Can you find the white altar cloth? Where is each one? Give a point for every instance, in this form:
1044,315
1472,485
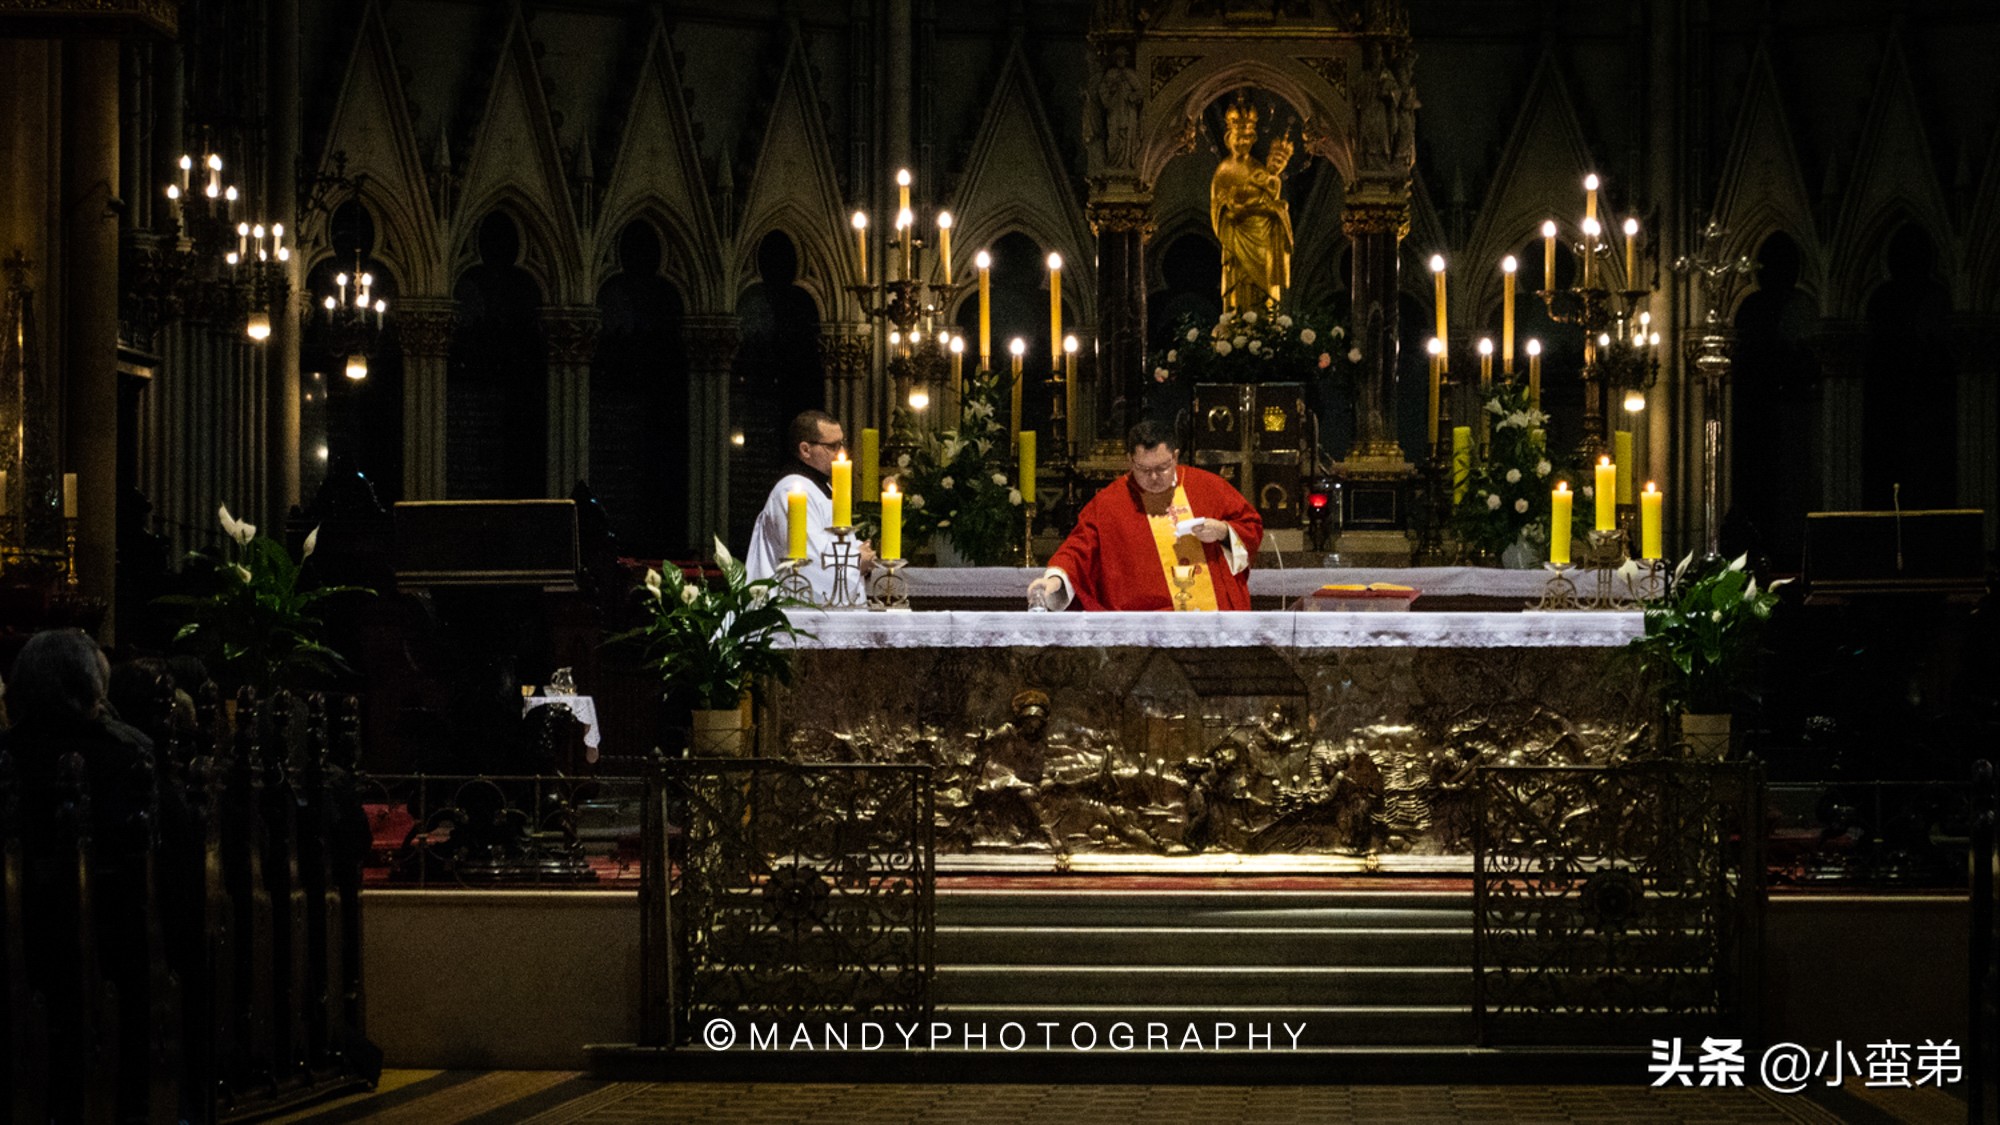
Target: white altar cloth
996,629
1011,583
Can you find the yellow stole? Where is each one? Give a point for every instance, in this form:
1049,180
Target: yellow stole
1181,550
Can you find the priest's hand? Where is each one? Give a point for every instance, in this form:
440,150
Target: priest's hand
1043,591
1211,530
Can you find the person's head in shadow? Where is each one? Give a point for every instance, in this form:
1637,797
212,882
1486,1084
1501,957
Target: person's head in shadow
61,677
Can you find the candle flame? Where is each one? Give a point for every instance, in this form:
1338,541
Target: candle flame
1437,263
1018,346
983,260
1508,264
860,220
1549,228
1055,261
1590,182
1534,347
1485,345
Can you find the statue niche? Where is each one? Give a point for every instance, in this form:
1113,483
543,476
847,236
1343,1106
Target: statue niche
1251,218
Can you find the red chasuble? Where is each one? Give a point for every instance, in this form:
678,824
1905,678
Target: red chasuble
1114,560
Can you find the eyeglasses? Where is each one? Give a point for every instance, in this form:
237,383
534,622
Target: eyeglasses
829,444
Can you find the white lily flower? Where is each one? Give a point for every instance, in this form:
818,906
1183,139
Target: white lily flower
653,581
245,532
312,540
1308,336
722,555
243,572
689,594
1738,562
229,524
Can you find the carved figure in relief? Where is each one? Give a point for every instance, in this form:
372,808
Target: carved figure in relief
1250,216
1112,114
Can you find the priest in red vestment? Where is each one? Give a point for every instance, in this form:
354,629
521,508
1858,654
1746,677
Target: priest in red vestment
1163,536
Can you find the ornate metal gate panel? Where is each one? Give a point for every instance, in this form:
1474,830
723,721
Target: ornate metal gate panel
1615,903
783,893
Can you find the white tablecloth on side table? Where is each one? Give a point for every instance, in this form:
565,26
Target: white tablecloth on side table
582,706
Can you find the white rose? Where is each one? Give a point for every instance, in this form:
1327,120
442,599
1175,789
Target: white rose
1250,317
1240,341
1222,347
1014,497
1000,479
1520,505
915,501
1542,468
1173,355
1493,502
1193,335
1513,476
1285,322
946,484
1256,346
1589,491
1161,375
1308,336
1354,355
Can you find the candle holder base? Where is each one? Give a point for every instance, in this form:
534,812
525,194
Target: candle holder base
888,590
70,581
792,582
843,559
1612,579
1028,533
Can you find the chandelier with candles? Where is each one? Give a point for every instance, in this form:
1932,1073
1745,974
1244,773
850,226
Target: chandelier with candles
231,265
354,319
909,295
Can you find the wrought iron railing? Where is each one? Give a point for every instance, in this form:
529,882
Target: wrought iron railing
781,893
1609,900
437,830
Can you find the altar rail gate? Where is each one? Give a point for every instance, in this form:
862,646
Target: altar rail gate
180,933
1613,904
780,894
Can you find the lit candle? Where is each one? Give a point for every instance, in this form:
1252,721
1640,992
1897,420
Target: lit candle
69,496
944,244
892,522
1485,362
1436,347
1559,521
1027,438
1606,494
187,166
1621,455
1072,394
1591,231
905,221
871,461
1461,461
242,240
1631,254
1437,272
1590,183
1509,267
860,222
1549,254
795,523
1055,310
985,263
1016,347
1649,522
902,189
843,491
957,365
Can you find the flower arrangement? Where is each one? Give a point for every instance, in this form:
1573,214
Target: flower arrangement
960,483
1702,634
256,626
1506,495
1270,347
713,641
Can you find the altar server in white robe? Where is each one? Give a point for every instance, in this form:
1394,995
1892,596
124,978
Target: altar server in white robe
815,438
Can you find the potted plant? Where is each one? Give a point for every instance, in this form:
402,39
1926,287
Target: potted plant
1701,636
710,642
1503,511
256,625
961,495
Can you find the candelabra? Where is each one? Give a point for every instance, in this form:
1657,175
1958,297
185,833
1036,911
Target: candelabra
226,268
1610,578
1708,350
908,297
1620,349
354,318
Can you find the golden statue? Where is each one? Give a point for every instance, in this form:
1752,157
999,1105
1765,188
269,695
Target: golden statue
1250,216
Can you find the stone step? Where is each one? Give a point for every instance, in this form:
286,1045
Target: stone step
1203,945
1407,1025
1265,986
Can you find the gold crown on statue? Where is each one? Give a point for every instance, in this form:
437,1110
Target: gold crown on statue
1241,114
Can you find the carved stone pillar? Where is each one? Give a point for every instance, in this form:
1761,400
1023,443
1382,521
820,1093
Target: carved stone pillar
711,350
1122,226
1375,220
1978,411
89,308
572,338
846,353
424,325
1842,347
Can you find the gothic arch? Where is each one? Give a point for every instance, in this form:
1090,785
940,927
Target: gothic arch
683,257
1173,116
539,240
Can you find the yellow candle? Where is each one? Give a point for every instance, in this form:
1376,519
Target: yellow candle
843,492
795,523
1016,347
69,496
906,234
1437,378
1055,311
1437,272
892,522
1559,519
1508,266
1072,392
1649,522
1621,455
1461,461
985,263
6,503
1027,439
871,461
902,189
944,244
1606,494
1591,230
861,243
1535,373
1549,254
1485,362
1631,254
1590,183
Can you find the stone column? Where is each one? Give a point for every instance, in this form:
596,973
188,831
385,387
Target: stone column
572,336
1842,347
1375,220
711,350
89,310
424,325
846,352
1978,414
285,337
1122,226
